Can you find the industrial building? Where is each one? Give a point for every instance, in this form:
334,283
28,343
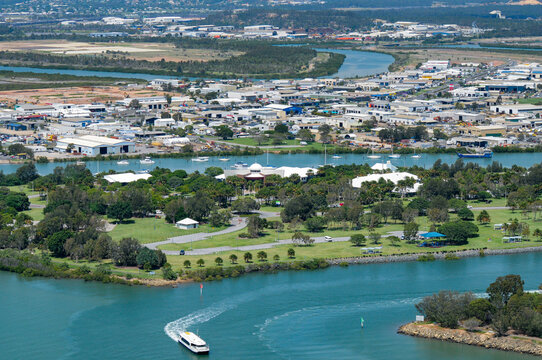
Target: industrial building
90,145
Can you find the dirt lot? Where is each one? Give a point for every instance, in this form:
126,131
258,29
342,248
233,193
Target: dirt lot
74,95
465,56
143,51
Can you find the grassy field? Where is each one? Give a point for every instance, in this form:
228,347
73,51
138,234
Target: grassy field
140,51
36,214
534,101
148,230
488,238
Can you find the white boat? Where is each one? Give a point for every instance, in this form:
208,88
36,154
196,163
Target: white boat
201,159
416,156
373,156
147,160
224,159
123,162
193,342
394,156
239,165
335,157
80,163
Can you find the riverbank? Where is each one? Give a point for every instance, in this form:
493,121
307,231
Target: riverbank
30,265
486,339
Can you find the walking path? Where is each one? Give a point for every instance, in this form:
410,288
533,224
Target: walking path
237,223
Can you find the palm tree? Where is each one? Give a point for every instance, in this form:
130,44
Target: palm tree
219,261
262,255
248,257
291,253
233,258
200,262
187,264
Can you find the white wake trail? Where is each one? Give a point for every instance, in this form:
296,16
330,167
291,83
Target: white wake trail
173,328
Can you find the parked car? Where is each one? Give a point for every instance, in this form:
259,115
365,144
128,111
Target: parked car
181,252
328,238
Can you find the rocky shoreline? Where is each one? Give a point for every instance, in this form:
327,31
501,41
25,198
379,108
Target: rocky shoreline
442,255
482,339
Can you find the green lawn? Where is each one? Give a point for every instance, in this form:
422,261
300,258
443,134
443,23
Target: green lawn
148,230
36,214
534,101
23,188
345,249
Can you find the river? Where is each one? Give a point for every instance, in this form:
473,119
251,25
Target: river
356,63
277,160
289,315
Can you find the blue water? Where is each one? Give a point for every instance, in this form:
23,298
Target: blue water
290,315
360,63
301,160
356,63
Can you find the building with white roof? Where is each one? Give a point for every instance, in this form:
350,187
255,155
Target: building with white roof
384,166
126,178
186,224
91,145
394,177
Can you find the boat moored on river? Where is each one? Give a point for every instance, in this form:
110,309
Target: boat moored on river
193,342
486,155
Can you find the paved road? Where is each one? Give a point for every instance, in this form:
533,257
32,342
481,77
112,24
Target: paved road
254,146
237,223
214,250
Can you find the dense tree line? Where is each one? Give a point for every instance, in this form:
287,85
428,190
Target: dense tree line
507,308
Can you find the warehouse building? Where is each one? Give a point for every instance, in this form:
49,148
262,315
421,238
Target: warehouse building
90,145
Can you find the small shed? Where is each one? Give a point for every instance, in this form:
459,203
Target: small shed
186,224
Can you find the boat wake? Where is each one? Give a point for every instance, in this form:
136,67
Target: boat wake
173,328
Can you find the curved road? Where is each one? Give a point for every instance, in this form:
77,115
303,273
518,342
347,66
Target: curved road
237,223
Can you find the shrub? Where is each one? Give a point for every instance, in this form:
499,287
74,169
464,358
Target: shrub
426,257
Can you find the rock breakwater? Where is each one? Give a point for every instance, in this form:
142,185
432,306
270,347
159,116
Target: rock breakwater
482,339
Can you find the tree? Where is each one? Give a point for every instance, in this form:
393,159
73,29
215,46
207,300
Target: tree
120,210
247,257
291,253
410,232
213,171
483,217
168,273
301,239
134,104
305,135
324,131
125,253
150,259
537,233
224,132
187,264
394,240
315,224
471,324
481,309
200,262
358,239
255,225
300,206
198,207
465,214
409,215
281,128
56,242
458,231
245,205
276,257
503,288
375,237
262,255
26,173
219,261
437,215
233,258
445,308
